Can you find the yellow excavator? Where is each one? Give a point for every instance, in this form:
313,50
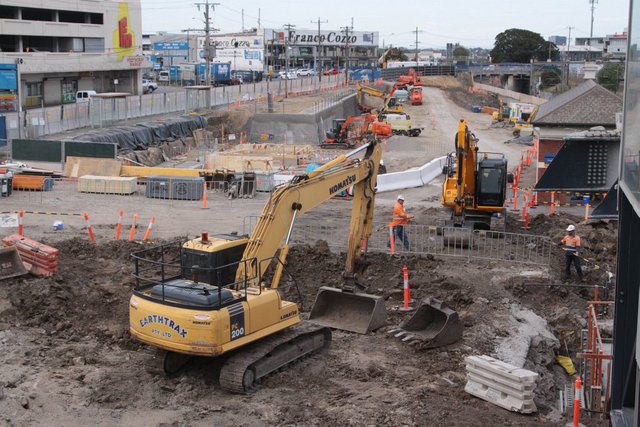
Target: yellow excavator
386,103
474,189
223,296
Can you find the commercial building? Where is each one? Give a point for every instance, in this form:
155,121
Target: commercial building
327,48
612,46
65,46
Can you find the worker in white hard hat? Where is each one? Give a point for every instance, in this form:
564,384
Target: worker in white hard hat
572,248
400,219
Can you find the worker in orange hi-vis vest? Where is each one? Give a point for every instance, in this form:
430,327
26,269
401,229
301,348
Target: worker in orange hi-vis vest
572,247
400,219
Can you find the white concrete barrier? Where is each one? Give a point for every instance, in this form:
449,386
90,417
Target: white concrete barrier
411,178
502,384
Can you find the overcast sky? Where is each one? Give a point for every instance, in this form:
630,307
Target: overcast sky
472,23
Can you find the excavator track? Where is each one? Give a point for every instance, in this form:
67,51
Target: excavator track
255,361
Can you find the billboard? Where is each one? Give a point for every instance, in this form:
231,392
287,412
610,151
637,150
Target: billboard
312,37
244,53
171,46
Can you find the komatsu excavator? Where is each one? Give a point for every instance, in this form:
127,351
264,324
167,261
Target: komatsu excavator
474,189
223,297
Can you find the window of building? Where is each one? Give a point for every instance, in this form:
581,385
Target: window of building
69,89
34,89
8,12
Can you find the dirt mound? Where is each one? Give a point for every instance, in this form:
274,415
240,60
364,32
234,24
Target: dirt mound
442,82
76,326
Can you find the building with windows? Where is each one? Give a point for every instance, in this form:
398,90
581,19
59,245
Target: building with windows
612,46
65,46
326,48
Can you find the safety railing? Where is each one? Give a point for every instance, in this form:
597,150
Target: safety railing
160,274
428,239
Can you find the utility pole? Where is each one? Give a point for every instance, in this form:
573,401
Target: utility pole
346,30
568,57
417,42
319,49
207,37
593,8
287,27
243,19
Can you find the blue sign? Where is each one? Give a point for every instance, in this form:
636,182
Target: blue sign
171,46
252,54
8,77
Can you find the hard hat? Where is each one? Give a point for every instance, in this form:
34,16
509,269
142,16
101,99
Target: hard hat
400,197
381,162
571,227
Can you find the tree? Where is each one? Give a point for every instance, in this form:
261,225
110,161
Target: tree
522,46
397,54
550,77
461,52
610,76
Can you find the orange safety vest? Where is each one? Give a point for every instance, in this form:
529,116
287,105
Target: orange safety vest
400,217
571,242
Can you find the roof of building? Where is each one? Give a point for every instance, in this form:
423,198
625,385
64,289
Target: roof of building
587,104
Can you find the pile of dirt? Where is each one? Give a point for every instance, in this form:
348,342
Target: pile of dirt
598,238
228,122
70,332
465,98
442,82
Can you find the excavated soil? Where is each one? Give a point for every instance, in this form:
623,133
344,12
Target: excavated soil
68,357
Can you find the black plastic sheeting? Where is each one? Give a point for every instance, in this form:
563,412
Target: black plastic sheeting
608,208
144,135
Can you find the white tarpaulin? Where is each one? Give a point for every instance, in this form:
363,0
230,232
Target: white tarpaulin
8,220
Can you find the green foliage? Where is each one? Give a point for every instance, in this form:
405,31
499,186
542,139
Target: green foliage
397,54
516,45
550,77
461,52
610,76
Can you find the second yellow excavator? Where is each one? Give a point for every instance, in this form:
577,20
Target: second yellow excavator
475,186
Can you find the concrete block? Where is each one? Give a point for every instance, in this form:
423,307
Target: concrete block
502,384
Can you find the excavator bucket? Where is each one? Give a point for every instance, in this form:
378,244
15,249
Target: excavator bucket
456,237
10,263
432,325
348,311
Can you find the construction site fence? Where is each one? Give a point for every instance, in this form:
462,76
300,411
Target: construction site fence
171,191
524,249
38,122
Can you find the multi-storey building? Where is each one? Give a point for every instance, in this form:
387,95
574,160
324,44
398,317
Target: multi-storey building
65,46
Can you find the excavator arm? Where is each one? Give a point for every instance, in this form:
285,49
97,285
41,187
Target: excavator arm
357,168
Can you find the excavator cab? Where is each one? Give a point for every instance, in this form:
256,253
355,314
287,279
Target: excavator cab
492,175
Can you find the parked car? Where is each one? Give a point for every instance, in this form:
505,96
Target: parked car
84,95
307,72
149,86
288,76
331,72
